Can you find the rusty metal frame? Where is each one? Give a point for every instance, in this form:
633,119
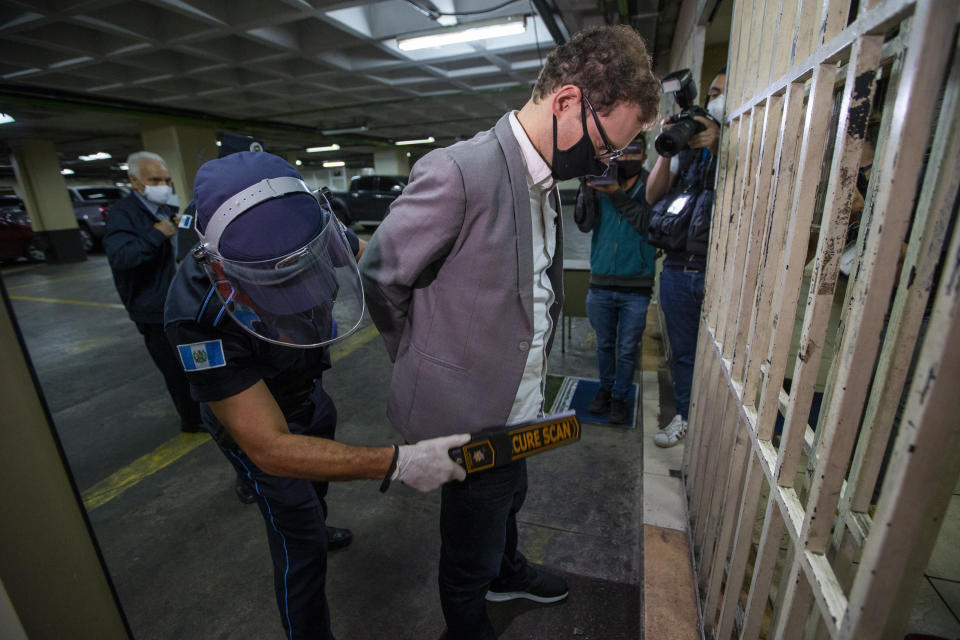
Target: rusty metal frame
854,552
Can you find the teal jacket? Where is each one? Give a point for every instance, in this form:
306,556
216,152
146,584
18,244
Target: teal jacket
619,253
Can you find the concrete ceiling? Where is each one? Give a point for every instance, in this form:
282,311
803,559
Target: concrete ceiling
92,74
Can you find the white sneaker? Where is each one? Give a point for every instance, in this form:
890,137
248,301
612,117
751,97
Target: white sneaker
671,434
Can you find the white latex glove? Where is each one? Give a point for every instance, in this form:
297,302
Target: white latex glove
427,464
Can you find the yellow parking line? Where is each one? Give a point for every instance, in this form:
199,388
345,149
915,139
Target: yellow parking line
177,447
39,283
353,342
112,305
144,466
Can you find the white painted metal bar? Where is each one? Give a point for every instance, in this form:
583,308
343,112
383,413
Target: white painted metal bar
872,280
854,113
878,20
802,209
758,342
786,26
921,476
794,604
743,537
772,169
728,519
763,569
772,120
744,225
930,225
728,161
716,468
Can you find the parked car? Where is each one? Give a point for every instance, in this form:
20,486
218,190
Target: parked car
368,199
90,206
16,235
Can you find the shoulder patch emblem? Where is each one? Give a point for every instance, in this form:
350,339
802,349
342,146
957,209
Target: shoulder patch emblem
201,355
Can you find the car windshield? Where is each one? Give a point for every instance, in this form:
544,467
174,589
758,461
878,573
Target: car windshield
101,193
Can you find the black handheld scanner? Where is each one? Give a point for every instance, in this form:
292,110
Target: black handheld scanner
497,446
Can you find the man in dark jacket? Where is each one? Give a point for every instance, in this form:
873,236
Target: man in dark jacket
138,246
615,209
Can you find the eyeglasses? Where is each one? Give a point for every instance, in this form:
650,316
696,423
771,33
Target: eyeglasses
610,153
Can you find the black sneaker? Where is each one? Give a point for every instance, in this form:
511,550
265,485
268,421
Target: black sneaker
338,538
618,411
600,403
538,586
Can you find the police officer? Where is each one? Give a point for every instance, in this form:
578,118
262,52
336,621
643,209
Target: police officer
273,281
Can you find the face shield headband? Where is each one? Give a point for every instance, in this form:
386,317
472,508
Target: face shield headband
309,297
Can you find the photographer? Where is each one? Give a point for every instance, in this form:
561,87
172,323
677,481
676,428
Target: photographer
681,190
614,208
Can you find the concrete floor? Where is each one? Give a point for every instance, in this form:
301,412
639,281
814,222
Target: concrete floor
190,561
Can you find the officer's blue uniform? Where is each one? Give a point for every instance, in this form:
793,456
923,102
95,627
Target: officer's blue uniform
227,360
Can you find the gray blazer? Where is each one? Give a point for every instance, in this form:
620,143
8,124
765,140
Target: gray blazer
448,279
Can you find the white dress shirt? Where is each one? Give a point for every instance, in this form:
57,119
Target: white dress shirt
529,401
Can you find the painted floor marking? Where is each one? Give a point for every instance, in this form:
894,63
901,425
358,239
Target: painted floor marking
111,305
46,281
182,444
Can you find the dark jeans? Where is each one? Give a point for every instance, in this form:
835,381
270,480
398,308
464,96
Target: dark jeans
478,529
618,319
294,512
176,380
681,295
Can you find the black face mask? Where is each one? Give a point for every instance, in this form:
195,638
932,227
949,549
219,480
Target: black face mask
580,159
629,168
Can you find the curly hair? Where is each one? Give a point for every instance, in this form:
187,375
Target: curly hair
609,64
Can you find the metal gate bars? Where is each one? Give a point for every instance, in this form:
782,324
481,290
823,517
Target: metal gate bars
845,493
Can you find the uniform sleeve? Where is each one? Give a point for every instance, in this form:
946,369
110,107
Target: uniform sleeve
218,364
127,247
419,231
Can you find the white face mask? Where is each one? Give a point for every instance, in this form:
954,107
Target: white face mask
159,193
716,106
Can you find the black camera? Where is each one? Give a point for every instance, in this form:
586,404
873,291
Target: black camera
674,140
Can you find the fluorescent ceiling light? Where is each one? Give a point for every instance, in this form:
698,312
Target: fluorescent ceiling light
123,166
334,163
66,172
400,143
298,162
333,132
469,32
332,147
100,155
219,143
6,118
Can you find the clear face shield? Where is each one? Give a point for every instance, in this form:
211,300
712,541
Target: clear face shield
310,297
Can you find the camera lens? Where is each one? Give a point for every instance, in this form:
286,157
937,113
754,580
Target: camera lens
674,140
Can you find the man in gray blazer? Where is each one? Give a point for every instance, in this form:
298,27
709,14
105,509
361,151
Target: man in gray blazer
464,281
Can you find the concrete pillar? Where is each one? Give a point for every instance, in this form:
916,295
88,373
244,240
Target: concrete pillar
50,568
392,162
44,192
185,149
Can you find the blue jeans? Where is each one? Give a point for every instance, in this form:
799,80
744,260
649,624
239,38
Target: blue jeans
681,295
478,530
619,320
